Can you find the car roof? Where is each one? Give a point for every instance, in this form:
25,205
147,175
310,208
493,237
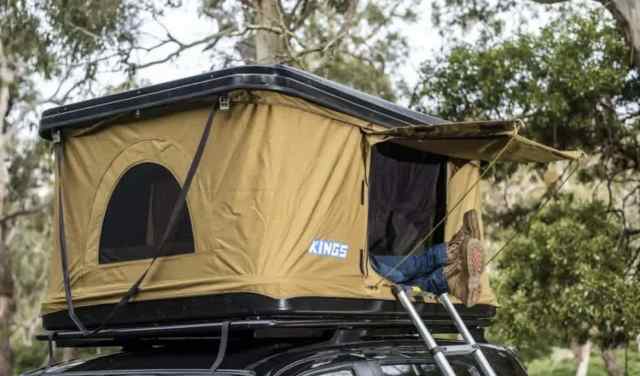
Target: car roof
278,357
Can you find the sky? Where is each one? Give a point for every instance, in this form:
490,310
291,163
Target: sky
424,41
192,62
186,25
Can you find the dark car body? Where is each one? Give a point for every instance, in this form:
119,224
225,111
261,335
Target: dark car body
344,354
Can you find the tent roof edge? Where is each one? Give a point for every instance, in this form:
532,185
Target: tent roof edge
197,91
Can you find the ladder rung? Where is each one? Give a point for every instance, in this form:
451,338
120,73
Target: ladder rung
453,350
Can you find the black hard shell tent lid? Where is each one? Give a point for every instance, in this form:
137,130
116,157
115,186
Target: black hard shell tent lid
199,90
296,187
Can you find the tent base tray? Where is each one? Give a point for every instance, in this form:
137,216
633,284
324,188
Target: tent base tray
243,306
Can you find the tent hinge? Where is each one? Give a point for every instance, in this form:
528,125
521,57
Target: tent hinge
224,103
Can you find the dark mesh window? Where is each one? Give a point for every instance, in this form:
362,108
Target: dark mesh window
407,198
138,213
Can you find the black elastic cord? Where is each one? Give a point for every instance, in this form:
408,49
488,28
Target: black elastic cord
62,241
178,206
222,349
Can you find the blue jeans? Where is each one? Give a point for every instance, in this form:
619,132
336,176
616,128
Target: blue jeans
425,271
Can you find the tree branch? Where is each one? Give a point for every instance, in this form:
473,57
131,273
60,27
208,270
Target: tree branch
550,1
631,231
181,46
344,30
83,30
23,212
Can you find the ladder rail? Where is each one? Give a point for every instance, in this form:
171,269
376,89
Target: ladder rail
441,360
440,352
466,335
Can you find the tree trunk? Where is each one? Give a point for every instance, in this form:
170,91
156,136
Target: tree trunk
270,47
627,13
582,353
611,364
6,282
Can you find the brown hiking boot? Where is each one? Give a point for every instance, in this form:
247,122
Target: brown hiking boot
470,228
465,262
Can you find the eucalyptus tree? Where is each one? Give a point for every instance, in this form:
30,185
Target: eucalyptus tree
40,40
71,44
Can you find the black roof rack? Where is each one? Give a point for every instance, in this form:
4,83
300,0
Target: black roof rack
211,330
197,90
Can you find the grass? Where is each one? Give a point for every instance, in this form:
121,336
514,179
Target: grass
565,367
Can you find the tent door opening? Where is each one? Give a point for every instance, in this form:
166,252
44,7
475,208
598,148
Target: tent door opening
407,197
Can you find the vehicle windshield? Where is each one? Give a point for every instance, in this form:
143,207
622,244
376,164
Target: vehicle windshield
460,368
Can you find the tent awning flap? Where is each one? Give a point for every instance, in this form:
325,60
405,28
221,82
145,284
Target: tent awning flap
476,141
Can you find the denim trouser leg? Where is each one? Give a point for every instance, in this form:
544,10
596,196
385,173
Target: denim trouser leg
435,283
414,266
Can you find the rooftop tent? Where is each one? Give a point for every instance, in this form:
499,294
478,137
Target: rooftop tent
300,180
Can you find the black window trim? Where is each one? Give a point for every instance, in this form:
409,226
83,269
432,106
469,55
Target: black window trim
357,368
425,361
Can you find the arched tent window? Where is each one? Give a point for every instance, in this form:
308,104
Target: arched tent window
138,213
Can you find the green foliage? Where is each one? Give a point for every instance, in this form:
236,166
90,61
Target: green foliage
58,40
569,279
74,39
567,82
29,357
567,367
571,276
36,355
53,38
80,33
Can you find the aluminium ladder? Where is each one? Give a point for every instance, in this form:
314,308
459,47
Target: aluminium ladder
440,352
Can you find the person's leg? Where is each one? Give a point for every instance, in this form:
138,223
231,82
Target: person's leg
400,269
448,279
435,282
466,261
460,262
453,278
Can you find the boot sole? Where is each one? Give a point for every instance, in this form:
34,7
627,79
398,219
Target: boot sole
475,267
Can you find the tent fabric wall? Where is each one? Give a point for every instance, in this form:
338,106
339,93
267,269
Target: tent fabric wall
464,195
277,174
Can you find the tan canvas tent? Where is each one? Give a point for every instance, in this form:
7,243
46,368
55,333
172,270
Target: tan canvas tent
298,180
